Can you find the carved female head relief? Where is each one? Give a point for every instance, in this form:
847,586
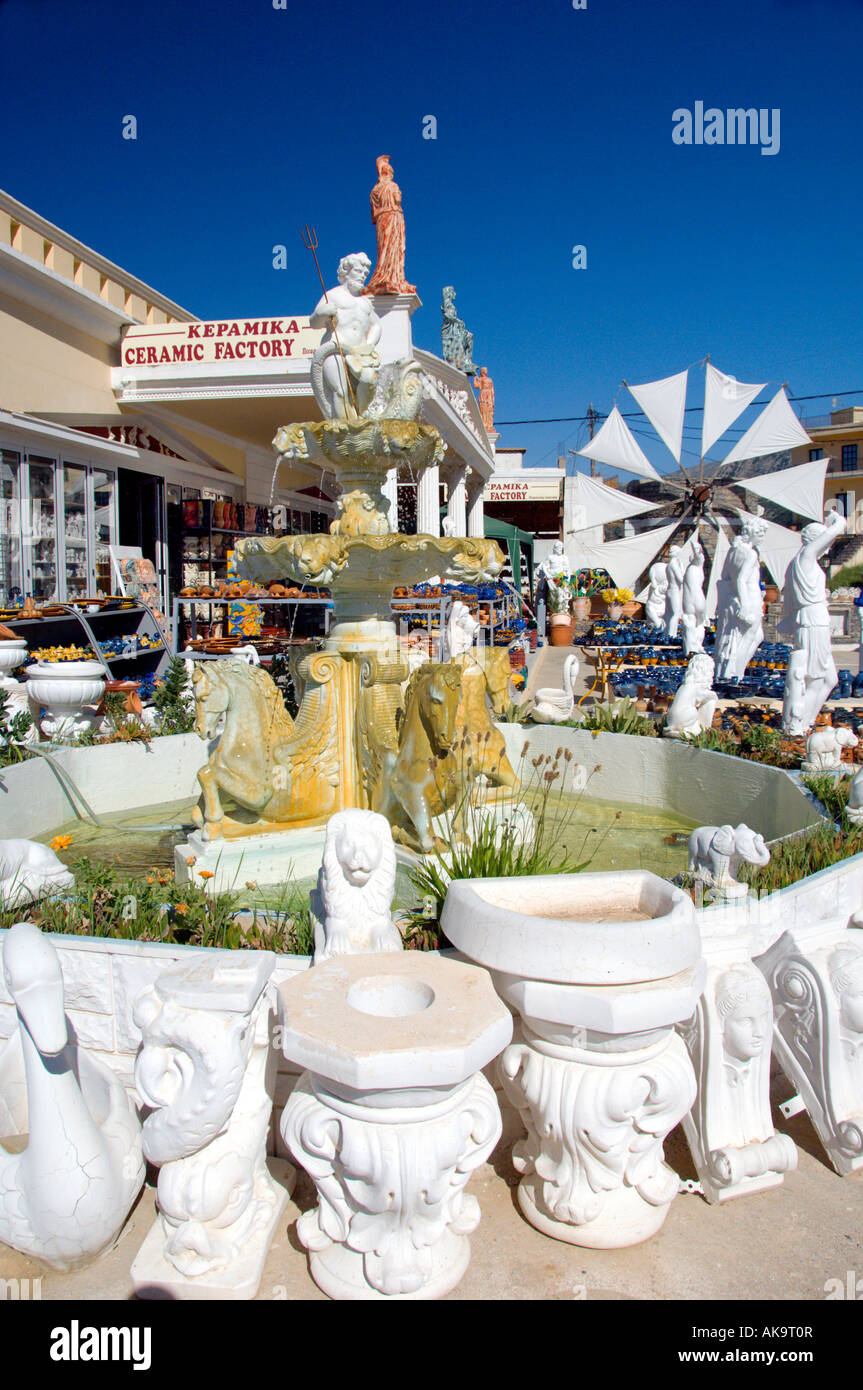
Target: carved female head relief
743,1005
846,978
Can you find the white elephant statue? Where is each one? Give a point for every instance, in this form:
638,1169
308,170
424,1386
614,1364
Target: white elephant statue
29,871
824,749
715,853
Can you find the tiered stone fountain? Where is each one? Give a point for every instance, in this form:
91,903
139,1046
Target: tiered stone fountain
362,738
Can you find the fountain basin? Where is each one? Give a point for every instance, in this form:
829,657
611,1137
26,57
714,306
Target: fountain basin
590,929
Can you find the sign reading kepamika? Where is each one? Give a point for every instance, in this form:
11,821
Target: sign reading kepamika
225,340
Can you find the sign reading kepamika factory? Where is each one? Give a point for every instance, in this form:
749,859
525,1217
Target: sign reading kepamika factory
225,340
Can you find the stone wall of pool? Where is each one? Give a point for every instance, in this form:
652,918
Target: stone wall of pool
708,788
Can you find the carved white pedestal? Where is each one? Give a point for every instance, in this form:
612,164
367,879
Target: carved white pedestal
207,1066
729,1128
597,1072
597,1105
815,974
391,1118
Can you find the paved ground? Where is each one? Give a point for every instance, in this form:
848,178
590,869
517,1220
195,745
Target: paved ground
784,1244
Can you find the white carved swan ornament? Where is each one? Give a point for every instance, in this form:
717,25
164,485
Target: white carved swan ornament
64,1198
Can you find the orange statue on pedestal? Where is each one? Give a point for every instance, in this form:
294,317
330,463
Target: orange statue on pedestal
389,222
485,386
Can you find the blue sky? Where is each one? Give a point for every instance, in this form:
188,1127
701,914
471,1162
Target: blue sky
554,130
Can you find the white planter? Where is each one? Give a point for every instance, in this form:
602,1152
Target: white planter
69,691
13,653
391,1117
599,977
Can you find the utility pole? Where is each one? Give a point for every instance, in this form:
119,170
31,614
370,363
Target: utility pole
591,420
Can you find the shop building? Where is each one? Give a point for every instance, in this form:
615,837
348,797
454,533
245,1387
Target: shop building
119,407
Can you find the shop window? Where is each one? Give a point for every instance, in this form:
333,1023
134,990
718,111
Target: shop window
815,454
849,458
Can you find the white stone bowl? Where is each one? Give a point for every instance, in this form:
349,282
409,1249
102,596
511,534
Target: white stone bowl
13,652
618,928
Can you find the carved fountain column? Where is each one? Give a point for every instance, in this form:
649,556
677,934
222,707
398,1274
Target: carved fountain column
599,977
206,1066
391,1117
457,504
475,510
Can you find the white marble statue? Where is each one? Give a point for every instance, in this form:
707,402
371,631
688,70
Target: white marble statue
556,567
694,603
203,1067
815,974
352,904
730,1128
654,607
716,852
29,871
673,593
811,669
63,1198
739,604
824,749
552,705
345,367
694,704
461,630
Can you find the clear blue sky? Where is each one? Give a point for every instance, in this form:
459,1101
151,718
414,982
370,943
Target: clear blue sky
554,129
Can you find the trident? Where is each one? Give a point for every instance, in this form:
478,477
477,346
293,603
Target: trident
310,241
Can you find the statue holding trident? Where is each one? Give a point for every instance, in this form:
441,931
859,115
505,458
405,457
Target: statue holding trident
811,669
345,367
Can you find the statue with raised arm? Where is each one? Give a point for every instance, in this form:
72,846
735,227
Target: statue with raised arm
345,367
739,604
811,669
389,223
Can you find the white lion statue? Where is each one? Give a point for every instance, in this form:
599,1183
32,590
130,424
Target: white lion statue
351,906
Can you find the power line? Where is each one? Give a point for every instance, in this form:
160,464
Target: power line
635,414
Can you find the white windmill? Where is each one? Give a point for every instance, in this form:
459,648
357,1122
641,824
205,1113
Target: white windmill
798,489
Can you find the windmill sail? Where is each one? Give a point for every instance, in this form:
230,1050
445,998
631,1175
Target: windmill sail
777,427
626,559
799,489
724,399
664,402
615,445
597,505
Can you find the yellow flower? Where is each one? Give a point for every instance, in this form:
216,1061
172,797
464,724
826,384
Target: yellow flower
181,908
61,842
205,873
250,883
191,860
151,878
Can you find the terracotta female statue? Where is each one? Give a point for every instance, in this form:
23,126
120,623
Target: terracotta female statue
485,386
389,222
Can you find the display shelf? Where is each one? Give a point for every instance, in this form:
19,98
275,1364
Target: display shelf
325,603
138,621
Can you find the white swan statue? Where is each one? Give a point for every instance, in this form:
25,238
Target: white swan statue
554,706
63,1198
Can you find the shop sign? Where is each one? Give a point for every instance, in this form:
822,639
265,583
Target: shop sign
232,341
522,490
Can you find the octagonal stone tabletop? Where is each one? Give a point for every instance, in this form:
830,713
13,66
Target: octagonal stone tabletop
392,1020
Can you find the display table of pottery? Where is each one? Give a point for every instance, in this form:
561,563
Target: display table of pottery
599,975
69,692
391,1116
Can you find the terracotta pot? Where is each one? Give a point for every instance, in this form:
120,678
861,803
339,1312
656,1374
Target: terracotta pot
632,609
771,593
560,630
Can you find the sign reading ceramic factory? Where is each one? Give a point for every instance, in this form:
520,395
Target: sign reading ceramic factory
524,489
225,340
